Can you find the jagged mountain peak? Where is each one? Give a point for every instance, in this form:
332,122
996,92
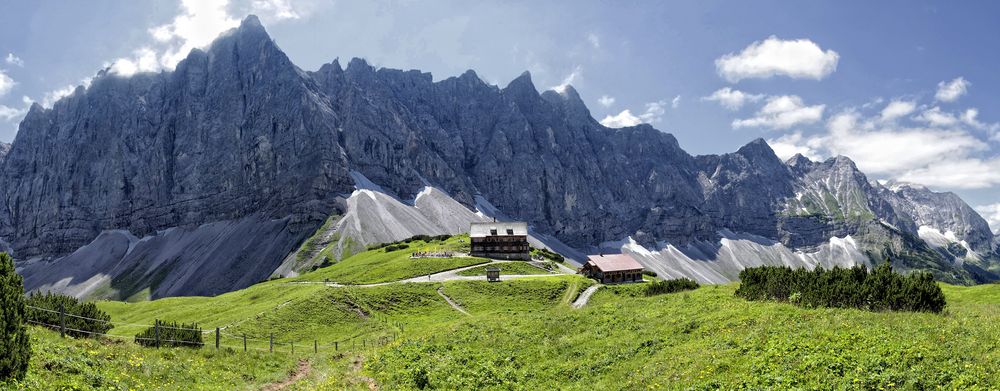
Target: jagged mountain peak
251,22
760,152
799,161
521,84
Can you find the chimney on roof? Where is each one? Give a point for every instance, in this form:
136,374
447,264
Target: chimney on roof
494,219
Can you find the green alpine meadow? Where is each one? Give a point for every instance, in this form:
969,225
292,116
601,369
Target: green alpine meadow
499,195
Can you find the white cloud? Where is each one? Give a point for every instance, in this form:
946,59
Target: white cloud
196,26
621,120
143,61
782,112
653,113
794,143
959,174
6,83
932,156
732,99
676,102
8,113
14,60
606,101
935,117
594,40
52,97
276,9
992,215
199,22
952,90
572,77
800,59
897,109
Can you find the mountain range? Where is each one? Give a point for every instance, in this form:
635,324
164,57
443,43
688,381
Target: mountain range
238,166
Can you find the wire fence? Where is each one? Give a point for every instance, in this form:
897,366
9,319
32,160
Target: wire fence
225,340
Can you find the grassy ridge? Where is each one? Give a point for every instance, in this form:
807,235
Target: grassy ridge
376,266
706,338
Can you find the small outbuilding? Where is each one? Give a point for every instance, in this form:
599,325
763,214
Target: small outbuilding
492,274
612,269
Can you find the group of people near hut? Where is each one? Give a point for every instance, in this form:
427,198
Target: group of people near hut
431,254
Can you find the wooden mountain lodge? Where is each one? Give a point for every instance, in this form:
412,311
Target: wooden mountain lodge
500,240
612,269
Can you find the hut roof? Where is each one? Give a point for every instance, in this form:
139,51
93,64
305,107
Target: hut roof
613,262
498,228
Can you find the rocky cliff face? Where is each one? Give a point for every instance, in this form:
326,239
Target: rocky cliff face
237,133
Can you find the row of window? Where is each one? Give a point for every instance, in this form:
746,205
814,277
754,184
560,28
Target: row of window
500,248
501,239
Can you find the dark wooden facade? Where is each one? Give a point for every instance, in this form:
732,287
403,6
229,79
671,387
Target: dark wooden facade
500,240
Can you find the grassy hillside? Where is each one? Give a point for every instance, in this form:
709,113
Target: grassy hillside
378,265
522,334
83,364
506,268
706,338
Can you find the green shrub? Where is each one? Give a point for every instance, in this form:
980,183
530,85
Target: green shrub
15,346
82,319
670,286
550,255
649,273
171,334
394,247
880,290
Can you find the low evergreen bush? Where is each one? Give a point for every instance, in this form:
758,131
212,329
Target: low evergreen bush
82,319
171,334
15,346
669,286
880,290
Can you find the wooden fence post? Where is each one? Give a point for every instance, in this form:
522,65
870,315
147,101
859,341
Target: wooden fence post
62,321
335,346
315,346
244,343
216,339
157,330
272,343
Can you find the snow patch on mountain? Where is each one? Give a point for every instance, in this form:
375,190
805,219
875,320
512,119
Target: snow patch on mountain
721,261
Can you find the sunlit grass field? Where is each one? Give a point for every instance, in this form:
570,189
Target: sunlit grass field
523,334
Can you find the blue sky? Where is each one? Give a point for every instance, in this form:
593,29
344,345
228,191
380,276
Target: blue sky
905,88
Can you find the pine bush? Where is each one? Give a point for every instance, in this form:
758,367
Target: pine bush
82,319
878,290
670,286
171,334
15,346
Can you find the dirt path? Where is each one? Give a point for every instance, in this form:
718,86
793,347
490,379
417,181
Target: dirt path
356,370
298,374
585,296
453,304
448,275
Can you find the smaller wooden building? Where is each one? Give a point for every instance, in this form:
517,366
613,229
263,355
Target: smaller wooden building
612,269
492,274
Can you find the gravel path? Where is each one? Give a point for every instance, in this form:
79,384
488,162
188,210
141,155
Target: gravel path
585,296
454,305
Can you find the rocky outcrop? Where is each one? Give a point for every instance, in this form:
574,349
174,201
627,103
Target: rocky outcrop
238,132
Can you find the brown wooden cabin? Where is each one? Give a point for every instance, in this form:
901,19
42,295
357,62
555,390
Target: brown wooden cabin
500,240
612,269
